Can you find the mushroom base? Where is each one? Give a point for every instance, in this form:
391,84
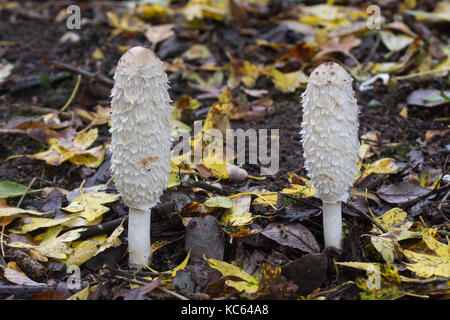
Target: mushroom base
139,242
332,224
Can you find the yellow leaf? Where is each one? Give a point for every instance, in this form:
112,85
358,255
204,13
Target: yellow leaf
249,284
242,71
151,10
238,214
10,211
217,167
429,237
98,54
197,51
404,113
53,247
287,82
218,202
31,224
83,294
390,218
90,204
85,138
300,191
382,166
83,252
427,265
113,240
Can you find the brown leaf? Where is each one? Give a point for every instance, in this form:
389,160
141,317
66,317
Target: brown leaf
309,272
401,192
204,238
292,235
156,34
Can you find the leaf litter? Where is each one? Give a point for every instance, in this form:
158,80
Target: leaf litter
230,78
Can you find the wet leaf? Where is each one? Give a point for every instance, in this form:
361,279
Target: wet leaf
382,166
401,192
292,235
249,284
9,189
16,277
218,202
427,265
239,213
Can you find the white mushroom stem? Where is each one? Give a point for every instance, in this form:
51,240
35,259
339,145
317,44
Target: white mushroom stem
332,224
139,236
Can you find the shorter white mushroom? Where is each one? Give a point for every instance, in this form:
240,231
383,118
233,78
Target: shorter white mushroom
330,142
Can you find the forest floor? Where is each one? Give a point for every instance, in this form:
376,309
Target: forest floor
264,234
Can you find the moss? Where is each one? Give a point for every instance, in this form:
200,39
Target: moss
400,150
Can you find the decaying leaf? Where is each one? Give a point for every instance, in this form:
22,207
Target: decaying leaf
292,235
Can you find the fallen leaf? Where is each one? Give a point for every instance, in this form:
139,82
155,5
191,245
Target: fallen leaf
401,192
428,98
156,34
249,284
292,235
90,205
9,189
18,277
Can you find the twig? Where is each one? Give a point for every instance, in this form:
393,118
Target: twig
372,51
12,131
142,283
72,96
42,110
26,191
36,82
100,228
83,72
199,184
366,216
23,292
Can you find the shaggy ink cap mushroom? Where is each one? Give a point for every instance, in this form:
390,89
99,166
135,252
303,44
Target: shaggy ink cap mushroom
330,141
140,141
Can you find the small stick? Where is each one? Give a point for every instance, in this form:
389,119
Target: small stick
26,190
72,96
43,110
83,72
366,216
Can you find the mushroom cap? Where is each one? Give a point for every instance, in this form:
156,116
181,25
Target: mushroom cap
140,62
329,73
140,128
330,132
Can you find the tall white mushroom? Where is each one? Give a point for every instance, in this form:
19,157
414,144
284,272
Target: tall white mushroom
140,142
330,142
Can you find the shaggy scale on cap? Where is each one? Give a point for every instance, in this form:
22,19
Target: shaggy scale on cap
140,128
330,132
